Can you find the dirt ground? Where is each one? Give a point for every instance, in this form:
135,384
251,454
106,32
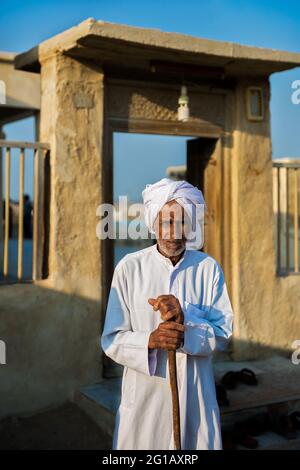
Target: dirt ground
65,428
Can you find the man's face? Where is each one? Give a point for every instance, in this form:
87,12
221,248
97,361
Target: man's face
170,228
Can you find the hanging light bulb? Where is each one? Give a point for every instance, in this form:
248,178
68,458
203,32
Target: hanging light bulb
183,102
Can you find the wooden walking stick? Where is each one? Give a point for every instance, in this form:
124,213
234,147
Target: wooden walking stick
174,390
175,398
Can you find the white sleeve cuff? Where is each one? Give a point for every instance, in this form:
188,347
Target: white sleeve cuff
136,352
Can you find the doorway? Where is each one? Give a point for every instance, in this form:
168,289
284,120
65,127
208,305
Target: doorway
141,158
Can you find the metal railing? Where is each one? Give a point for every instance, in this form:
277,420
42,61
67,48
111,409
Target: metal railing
40,152
286,186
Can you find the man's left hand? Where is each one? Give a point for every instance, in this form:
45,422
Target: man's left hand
169,307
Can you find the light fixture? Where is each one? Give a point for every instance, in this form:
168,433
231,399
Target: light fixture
183,102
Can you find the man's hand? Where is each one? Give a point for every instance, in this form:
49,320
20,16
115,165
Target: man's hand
168,335
169,307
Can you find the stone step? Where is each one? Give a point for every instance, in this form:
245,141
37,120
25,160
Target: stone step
241,412
272,441
278,386
100,402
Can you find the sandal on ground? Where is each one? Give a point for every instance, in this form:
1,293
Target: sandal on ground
227,441
242,437
258,424
247,376
221,395
283,426
230,380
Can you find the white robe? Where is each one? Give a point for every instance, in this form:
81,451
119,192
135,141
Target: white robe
144,417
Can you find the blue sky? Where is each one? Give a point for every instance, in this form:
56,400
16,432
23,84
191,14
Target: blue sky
274,24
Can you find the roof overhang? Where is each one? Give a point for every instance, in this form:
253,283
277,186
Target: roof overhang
147,50
21,91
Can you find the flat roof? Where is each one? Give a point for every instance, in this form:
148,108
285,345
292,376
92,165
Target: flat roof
7,56
130,46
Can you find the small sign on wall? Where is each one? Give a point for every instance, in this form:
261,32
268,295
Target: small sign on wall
254,103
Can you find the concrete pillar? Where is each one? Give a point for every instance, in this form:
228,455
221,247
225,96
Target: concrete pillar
253,247
72,122
2,136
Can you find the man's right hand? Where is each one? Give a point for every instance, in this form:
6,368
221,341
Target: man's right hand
168,335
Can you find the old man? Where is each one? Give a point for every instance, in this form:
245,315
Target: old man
168,297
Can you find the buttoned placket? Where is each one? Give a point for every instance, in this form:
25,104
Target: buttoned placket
173,289
180,357
173,270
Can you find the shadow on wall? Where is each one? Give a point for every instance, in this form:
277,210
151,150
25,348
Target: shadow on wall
52,346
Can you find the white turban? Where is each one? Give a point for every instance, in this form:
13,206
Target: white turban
156,195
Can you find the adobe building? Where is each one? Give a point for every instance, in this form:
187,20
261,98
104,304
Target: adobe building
99,78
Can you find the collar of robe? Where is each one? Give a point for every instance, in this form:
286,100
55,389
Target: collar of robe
166,260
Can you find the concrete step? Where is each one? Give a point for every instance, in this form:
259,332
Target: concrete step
100,402
242,412
272,441
278,386
278,389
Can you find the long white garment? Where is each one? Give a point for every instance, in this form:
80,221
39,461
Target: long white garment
144,417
